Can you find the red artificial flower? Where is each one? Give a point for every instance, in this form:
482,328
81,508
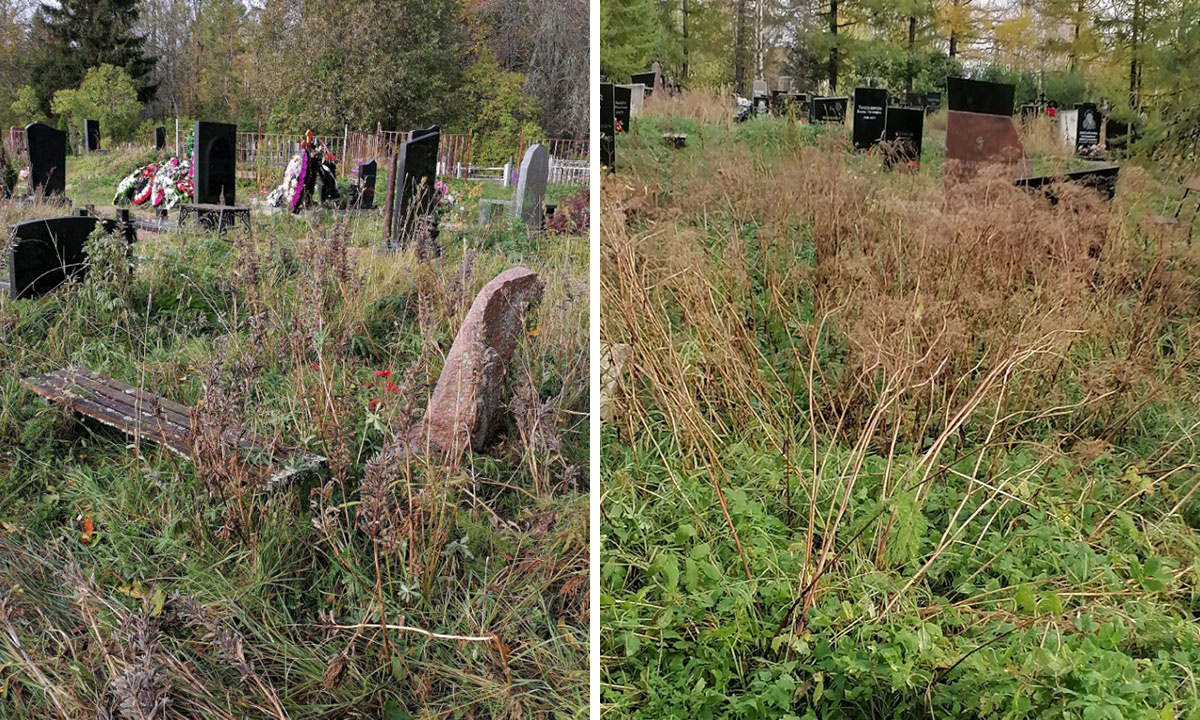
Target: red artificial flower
914,164
315,364
393,387
373,404
383,373
1052,112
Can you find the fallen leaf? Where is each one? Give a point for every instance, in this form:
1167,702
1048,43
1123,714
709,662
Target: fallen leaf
88,528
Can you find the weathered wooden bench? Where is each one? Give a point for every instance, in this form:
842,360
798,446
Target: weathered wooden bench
151,417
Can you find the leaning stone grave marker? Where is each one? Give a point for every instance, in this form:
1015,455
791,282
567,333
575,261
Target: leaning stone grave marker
466,402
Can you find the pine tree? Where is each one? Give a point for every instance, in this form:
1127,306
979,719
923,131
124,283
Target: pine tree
630,33
75,35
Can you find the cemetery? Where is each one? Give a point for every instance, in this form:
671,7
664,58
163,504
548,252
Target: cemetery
899,388
290,427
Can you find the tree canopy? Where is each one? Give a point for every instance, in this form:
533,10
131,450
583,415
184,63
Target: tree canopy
485,65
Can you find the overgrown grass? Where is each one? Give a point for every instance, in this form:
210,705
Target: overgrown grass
886,449
196,586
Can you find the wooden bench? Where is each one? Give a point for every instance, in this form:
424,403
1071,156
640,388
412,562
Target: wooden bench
151,417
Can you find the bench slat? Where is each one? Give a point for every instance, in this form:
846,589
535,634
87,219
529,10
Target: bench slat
157,419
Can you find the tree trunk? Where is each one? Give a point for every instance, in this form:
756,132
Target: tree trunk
1134,69
833,50
912,48
758,39
1075,44
685,40
954,33
739,50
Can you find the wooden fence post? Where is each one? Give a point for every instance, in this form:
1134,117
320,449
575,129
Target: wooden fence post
345,146
470,134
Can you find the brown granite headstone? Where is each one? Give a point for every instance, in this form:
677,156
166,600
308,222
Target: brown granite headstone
976,138
465,406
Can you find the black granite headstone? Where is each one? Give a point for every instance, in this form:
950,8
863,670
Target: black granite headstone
608,144
365,186
980,96
160,138
46,148
802,104
828,110
214,163
46,253
1087,126
622,99
91,134
933,102
1029,111
870,105
904,130
648,79
415,178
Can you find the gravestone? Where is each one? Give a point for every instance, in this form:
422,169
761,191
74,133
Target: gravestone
783,84
904,129
1068,125
622,102
416,175
980,128
214,163
490,209
531,186
761,98
46,253
979,96
608,143
870,104
364,186
465,406
46,149
933,102
160,138
828,110
91,135
637,98
801,102
1029,112
649,80
779,102
1087,128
